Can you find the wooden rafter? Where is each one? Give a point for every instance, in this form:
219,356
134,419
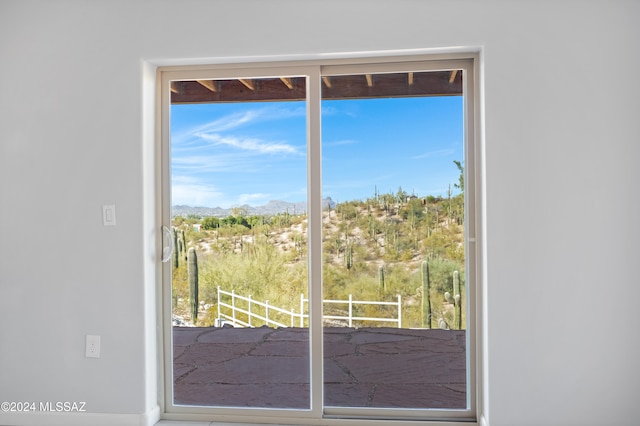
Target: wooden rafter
452,77
327,82
287,82
369,78
248,83
410,79
209,84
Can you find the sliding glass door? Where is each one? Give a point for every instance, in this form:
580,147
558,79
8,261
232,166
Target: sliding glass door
394,239
239,218
323,238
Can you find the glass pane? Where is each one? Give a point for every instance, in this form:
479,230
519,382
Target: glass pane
393,241
239,193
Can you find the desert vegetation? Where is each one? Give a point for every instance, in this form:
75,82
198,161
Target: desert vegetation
389,244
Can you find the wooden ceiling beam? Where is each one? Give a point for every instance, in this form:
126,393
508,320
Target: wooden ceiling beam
369,80
327,82
410,79
209,84
248,83
287,82
452,77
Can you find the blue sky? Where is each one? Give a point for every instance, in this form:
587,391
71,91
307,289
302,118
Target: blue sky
230,154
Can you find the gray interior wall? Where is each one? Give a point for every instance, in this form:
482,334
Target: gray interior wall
562,141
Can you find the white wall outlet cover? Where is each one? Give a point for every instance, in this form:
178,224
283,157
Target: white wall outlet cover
92,349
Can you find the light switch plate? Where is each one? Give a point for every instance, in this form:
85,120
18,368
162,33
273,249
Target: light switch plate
109,215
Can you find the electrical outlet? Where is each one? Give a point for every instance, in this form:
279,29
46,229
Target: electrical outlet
93,346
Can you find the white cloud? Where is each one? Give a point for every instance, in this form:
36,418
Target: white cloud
436,153
229,122
256,198
250,144
211,163
240,119
190,191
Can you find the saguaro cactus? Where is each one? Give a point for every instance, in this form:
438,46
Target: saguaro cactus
192,270
457,312
184,243
381,277
348,257
175,249
426,299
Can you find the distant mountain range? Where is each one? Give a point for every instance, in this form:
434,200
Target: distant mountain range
271,208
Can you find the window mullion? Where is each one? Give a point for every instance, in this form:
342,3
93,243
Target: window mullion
314,182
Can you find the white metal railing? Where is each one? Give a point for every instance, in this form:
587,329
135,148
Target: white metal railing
265,310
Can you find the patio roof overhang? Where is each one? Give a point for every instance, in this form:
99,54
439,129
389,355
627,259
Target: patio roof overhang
408,84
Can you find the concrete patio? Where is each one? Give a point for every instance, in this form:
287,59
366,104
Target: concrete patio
366,367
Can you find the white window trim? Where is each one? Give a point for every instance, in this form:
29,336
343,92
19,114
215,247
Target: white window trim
474,232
